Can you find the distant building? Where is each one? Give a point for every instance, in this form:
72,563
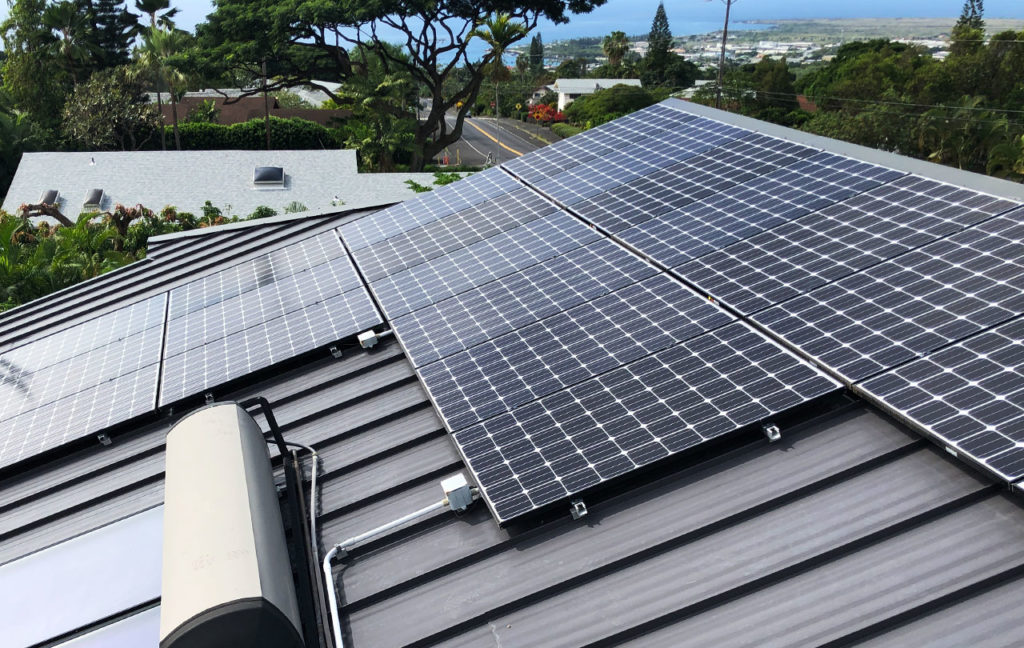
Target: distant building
571,89
233,109
318,180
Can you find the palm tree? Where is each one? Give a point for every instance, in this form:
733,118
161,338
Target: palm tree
159,47
615,48
154,7
70,48
499,32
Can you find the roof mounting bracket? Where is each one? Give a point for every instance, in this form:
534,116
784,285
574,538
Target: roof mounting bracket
772,432
335,351
577,509
104,438
209,398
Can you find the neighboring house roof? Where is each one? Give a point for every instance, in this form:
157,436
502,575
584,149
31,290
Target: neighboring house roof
851,530
590,86
186,179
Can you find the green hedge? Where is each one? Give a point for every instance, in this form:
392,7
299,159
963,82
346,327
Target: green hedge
565,130
284,134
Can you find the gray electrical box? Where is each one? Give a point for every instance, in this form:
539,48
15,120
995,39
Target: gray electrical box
227,578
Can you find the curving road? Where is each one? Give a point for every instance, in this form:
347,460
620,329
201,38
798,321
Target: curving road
486,135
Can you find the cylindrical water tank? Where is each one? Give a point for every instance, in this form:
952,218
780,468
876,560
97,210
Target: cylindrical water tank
227,578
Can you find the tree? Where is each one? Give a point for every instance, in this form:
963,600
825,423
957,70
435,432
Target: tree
659,41
499,32
573,68
608,104
110,112
71,49
161,52
153,9
537,54
17,135
301,41
969,30
114,32
31,77
615,47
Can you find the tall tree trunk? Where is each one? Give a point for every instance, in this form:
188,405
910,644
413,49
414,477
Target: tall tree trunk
266,104
721,60
160,107
174,115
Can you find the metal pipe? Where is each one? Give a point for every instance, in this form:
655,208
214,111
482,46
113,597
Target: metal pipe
384,334
344,545
312,495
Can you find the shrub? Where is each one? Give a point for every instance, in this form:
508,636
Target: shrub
565,130
608,104
251,135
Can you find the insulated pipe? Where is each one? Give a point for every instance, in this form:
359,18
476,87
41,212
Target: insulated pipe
344,545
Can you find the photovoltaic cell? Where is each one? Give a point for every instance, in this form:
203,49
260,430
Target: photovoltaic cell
428,207
569,347
632,416
779,197
969,395
693,179
78,381
484,261
799,256
913,304
451,233
516,300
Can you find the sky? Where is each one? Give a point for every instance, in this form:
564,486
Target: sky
688,16
616,14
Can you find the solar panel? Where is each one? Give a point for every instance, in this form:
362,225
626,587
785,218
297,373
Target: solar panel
632,416
428,207
917,302
663,149
516,300
260,312
266,343
744,210
693,179
596,142
484,261
451,233
559,351
969,395
824,246
78,381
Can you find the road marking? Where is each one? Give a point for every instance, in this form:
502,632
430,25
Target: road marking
492,137
468,143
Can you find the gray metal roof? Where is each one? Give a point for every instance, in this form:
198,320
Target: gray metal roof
852,530
849,530
187,179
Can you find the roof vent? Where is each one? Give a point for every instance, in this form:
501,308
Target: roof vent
49,197
268,175
93,199
227,577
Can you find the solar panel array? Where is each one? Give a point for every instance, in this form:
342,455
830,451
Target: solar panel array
606,302
517,318
80,380
255,314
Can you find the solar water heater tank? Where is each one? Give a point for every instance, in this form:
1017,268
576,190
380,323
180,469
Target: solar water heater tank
227,578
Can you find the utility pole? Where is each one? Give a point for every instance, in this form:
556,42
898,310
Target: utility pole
721,60
266,104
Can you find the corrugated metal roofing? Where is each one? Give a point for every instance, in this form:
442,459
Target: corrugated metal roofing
848,529
851,530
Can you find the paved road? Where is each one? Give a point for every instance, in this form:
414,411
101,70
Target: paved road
486,135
